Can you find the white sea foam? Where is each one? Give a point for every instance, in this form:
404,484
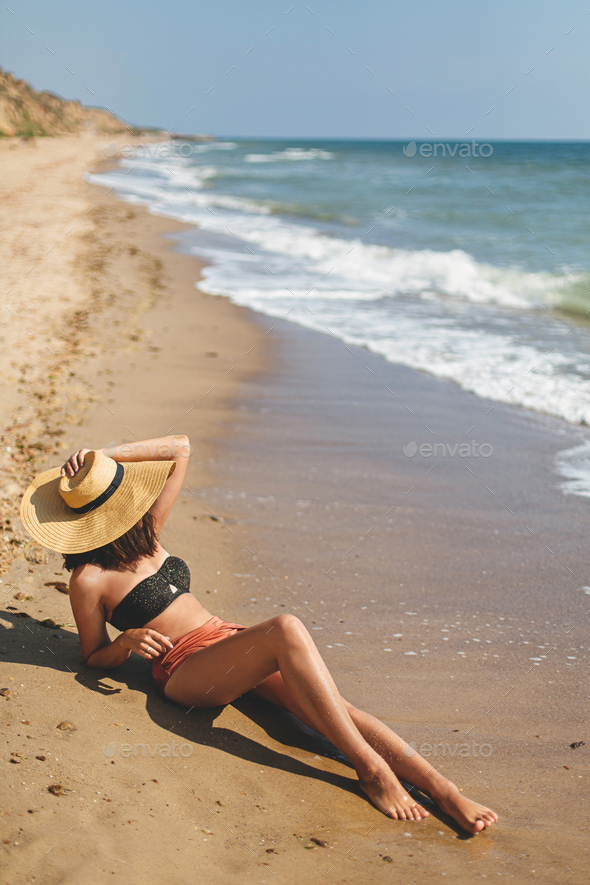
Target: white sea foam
176,192
198,147
489,364
201,148
176,172
363,270
290,154
574,466
404,304
366,271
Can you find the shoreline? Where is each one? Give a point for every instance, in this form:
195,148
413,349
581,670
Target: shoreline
487,320
445,600
297,455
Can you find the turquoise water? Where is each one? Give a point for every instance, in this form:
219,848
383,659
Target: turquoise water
473,266
484,206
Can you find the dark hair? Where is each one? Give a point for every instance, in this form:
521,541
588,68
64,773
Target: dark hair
123,553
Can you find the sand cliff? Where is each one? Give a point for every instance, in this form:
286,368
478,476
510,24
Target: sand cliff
26,112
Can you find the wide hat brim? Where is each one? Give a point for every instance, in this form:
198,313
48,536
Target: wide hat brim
49,520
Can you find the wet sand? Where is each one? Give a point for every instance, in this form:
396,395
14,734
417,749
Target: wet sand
299,497
445,593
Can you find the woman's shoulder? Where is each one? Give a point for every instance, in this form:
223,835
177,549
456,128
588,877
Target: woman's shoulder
87,577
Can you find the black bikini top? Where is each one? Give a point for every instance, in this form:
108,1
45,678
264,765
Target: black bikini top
152,596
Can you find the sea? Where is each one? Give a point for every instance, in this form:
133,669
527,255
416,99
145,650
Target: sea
467,260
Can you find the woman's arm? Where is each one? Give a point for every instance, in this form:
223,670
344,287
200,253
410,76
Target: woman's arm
163,448
98,650
147,644
95,642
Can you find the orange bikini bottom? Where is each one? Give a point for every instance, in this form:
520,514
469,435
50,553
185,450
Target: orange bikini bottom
211,631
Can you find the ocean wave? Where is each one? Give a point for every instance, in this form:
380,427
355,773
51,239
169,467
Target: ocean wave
492,365
422,308
574,297
201,148
175,169
573,465
179,196
364,270
377,271
290,154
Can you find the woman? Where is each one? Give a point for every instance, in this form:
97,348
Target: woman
104,510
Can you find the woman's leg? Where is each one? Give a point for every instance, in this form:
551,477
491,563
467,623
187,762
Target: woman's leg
401,758
227,669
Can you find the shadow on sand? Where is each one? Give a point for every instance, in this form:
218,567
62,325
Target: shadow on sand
32,644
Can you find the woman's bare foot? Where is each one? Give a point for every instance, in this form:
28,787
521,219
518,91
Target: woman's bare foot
470,815
386,792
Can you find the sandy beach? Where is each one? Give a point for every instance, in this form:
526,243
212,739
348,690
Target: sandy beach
446,595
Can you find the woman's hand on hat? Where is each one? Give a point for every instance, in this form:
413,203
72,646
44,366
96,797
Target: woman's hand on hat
74,462
145,643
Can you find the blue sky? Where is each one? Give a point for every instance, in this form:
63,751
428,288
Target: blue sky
335,68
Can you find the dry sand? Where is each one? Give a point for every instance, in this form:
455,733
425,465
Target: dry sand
44,232
226,795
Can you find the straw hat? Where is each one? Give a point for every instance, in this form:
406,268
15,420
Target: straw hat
102,501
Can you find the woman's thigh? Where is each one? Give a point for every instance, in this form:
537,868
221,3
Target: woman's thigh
222,672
